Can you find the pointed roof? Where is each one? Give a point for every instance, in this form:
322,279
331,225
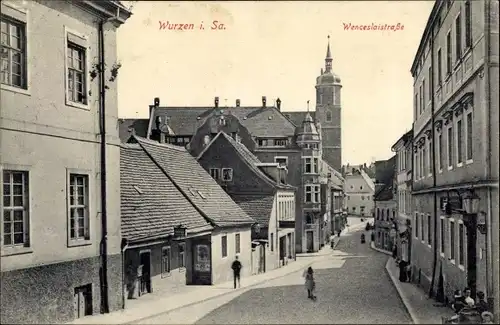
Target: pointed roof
196,184
307,132
328,52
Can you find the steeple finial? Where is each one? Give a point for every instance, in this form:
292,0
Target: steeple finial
328,59
308,106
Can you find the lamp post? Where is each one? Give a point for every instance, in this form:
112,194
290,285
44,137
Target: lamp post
469,211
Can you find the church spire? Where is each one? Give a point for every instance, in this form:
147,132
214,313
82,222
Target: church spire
328,59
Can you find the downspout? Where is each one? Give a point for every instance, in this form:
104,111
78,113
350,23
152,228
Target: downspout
491,254
104,216
433,158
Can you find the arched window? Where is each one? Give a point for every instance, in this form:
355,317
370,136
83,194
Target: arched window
388,214
378,213
328,116
382,214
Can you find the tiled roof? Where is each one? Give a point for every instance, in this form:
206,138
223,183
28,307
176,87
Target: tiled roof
298,117
260,121
199,187
151,205
259,207
125,127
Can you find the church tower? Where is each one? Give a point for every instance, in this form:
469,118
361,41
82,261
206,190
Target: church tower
328,109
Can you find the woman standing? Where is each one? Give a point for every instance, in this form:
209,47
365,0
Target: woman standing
310,283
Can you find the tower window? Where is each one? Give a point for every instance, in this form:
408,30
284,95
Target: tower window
328,116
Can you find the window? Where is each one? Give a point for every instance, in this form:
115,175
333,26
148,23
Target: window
461,245
79,207
442,234
429,157
416,225
271,244
227,174
182,255
415,104
422,228
262,142
224,246
309,218
468,32
448,53
422,108
423,92
361,187
206,140
165,260
328,116
440,72
424,160
282,161
429,228
311,165
280,142
430,83
440,151
450,147
237,243
215,173
452,240
13,59
458,38
76,63
468,138
15,208
312,194
459,142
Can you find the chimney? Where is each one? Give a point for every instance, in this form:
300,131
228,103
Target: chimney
155,105
263,101
278,104
216,102
238,103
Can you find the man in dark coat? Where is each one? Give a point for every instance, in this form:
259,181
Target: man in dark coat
236,266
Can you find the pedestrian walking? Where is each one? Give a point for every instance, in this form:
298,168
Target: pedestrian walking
236,266
481,305
310,283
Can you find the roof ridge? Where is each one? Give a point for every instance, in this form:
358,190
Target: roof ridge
159,144
134,146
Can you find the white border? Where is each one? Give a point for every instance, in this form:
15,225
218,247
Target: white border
90,183
452,249
455,122
464,240
28,59
87,69
17,250
450,167
442,236
466,112
281,157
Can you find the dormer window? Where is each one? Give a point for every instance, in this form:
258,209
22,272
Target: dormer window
262,142
222,120
206,140
280,142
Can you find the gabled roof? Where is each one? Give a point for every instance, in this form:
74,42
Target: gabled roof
260,121
196,184
247,156
257,206
128,127
151,205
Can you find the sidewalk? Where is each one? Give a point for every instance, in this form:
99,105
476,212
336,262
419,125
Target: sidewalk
422,309
372,245
156,305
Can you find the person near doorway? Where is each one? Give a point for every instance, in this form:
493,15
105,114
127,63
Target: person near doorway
236,266
467,297
310,283
481,305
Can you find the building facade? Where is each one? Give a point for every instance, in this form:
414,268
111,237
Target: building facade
359,190
385,205
455,134
54,222
262,192
404,155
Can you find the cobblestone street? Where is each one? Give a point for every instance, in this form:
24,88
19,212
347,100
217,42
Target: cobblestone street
353,287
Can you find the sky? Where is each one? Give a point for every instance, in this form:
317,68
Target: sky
276,49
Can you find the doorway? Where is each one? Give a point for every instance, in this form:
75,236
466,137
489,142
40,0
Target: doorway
309,241
202,261
82,301
144,273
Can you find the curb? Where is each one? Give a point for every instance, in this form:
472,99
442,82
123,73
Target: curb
402,296
372,246
219,295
